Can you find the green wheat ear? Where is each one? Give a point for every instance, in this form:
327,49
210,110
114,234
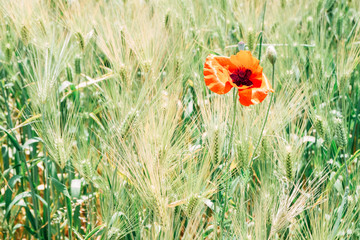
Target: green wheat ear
340,134
167,21
60,150
264,149
283,4
216,147
251,40
80,41
128,123
193,202
178,66
87,169
123,39
8,52
339,27
77,65
25,35
242,158
42,28
69,74
176,210
319,126
124,74
162,154
288,165
151,11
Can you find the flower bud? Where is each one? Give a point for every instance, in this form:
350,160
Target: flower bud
241,46
271,54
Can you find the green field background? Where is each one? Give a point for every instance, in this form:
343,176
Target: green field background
108,131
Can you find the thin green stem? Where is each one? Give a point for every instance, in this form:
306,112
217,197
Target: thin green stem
11,126
266,118
228,164
346,170
262,30
234,115
344,200
33,193
47,192
21,155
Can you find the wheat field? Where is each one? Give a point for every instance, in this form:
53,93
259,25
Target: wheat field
109,131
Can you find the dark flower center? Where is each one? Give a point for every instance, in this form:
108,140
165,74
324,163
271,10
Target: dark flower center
241,77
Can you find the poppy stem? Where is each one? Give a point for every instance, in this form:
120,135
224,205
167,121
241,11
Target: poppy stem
228,164
266,116
233,124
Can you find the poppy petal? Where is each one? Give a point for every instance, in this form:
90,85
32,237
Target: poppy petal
216,74
266,84
244,59
252,96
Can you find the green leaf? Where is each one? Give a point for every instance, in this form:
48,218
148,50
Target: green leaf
76,218
116,216
16,199
96,119
69,213
30,217
12,139
31,141
42,200
9,191
78,235
32,232
95,230
13,180
16,227
60,187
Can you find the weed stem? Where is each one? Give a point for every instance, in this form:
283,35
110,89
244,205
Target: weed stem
228,164
266,117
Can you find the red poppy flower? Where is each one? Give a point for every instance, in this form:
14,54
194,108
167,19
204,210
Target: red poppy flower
241,71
